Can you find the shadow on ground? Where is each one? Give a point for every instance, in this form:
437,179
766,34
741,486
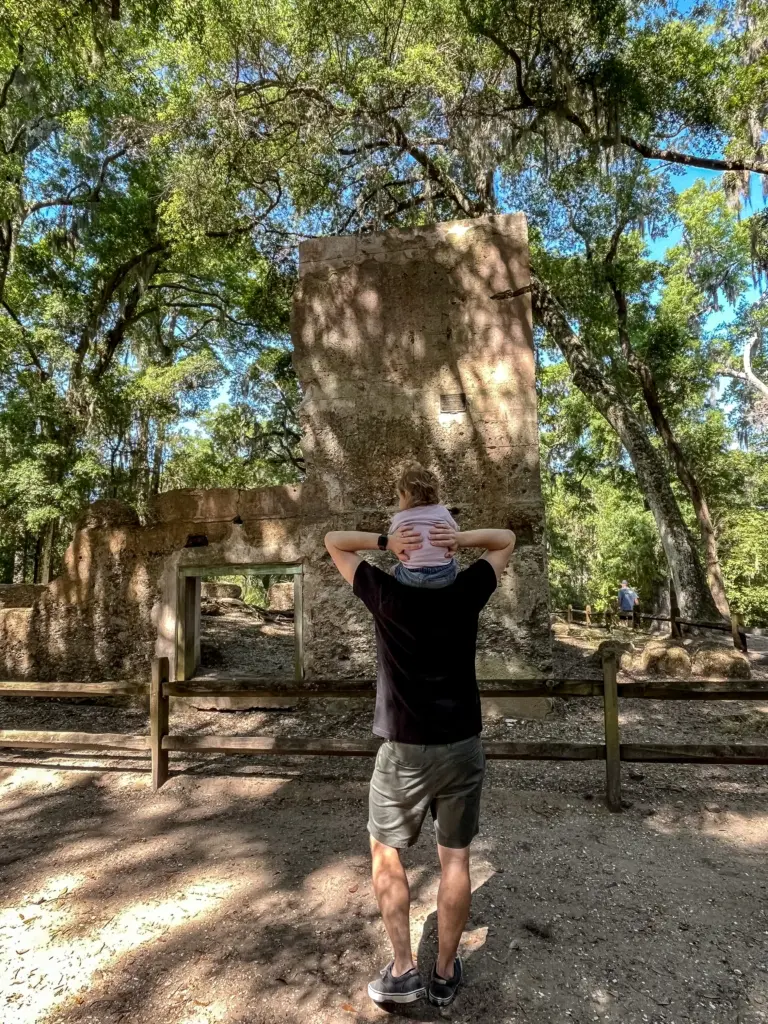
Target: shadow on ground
245,897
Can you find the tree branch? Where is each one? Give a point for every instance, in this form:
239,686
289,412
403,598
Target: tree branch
7,86
729,371
103,300
25,338
689,160
245,228
90,197
613,248
116,333
356,150
753,379
450,187
212,305
515,57
560,108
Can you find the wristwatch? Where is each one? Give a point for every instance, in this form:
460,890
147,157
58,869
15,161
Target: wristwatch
383,541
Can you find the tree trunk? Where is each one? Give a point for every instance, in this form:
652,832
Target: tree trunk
20,560
661,604
140,467
694,595
36,558
699,502
46,552
684,472
674,611
157,462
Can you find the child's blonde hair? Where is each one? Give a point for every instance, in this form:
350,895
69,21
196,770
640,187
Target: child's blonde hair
419,485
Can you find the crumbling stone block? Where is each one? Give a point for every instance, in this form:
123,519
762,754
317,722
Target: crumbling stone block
280,597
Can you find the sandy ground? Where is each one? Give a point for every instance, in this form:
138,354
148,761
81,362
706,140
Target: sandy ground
240,892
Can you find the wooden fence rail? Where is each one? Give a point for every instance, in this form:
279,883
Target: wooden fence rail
735,627
161,741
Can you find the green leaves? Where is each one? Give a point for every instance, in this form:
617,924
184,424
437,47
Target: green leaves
157,173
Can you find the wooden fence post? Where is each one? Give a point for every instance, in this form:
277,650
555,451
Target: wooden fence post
570,613
608,619
158,721
588,613
612,747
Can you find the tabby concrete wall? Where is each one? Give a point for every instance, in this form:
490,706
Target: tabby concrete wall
114,606
418,344
409,344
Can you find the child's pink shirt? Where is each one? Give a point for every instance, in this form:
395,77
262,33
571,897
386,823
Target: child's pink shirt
424,518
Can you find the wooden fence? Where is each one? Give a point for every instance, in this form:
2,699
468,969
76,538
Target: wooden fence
736,627
161,741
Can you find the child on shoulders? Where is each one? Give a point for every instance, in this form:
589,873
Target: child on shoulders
427,566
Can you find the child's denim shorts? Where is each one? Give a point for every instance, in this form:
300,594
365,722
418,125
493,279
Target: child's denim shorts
432,576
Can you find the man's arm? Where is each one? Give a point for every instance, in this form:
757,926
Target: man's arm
498,544
343,546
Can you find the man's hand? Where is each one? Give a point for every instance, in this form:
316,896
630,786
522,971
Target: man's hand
403,541
498,544
343,547
445,537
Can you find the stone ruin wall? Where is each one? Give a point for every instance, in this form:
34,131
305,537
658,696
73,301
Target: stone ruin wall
408,344
419,344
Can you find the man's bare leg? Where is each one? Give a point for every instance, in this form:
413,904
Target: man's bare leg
390,884
453,899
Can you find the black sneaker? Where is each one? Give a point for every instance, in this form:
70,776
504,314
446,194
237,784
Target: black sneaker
442,992
407,988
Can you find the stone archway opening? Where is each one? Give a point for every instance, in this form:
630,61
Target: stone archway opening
220,635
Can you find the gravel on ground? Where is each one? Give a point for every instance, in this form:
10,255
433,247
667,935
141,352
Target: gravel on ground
240,891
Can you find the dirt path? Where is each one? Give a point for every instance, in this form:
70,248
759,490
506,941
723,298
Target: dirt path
245,897
240,642
240,892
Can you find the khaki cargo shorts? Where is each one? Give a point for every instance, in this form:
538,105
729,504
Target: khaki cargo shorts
410,779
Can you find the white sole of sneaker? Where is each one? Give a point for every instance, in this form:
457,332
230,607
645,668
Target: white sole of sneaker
442,1000
396,997
447,1000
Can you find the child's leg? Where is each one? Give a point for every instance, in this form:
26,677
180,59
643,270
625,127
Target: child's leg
430,577
406,576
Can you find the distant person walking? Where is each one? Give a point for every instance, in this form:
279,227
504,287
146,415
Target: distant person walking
628,600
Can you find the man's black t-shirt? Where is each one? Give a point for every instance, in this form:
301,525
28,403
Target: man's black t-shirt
426,688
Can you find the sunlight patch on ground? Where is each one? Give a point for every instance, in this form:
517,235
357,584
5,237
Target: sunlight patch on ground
473,940
735,829
212,1014
739,830
50,963
22,778
335,883
55,888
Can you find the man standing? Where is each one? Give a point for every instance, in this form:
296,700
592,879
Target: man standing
627,601
428,713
